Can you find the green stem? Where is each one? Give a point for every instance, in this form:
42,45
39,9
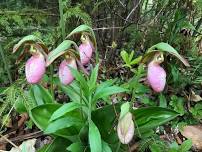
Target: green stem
118,147
5,64
51,79
62,23
89,109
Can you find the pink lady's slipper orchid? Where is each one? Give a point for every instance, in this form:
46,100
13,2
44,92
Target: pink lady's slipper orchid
85,49
35,67
65,74
156,75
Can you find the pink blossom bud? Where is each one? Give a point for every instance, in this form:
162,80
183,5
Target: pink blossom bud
156,75
35,68
86,49
125,128
65,74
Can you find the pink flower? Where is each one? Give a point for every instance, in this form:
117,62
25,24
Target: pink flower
35,68
65,74
86,49
156,75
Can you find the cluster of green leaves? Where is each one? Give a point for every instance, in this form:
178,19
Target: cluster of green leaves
154,144
80,123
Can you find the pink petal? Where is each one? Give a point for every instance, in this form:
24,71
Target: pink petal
35,68
86,51
65,74
156,76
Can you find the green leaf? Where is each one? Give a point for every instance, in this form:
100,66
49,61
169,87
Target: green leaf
162,101
104,92
164,47
40,115
40,95
136,60
72,91
76,147
60,50
62,123
155,147
178,104
186,146
145,118
105,118
82,81
19,105
26,39
58,144
65,109
131,56
151,117
124,109
105,147
124,56
93,77
94,138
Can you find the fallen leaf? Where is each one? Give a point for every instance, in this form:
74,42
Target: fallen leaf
195,134
194,97
26,146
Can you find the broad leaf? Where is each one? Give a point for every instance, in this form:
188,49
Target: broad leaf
60,50
62,123
26,39
65,109
40,115
105,147
104,92
94,138
163,47
151,117
145,118
76,147
40,95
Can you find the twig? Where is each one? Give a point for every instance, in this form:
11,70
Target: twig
132,11
23,137
157,14
10,142
106,28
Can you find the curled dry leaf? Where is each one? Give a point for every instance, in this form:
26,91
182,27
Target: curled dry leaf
194,97
125,128
195,134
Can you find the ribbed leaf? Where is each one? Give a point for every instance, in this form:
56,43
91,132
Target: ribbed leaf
163,47
60,50
26,39
65,109
40,115
62,123
94,138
